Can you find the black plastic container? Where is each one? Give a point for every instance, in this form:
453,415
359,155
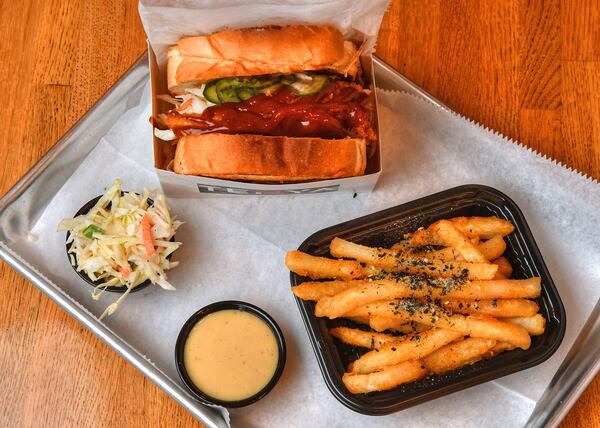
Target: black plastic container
220,306
113,288
386,227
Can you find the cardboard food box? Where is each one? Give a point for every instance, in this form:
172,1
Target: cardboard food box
165,24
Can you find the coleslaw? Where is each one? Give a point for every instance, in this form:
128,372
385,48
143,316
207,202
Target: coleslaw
123,241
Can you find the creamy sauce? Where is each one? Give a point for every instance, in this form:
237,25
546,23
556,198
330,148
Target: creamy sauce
231,355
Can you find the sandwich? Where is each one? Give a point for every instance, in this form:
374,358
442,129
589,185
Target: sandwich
273,104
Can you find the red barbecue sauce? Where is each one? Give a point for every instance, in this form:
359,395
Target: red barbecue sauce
339,110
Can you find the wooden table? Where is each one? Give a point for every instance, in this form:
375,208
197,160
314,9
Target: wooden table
529,69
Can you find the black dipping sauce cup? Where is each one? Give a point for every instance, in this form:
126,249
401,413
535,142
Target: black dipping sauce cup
216,307
113,288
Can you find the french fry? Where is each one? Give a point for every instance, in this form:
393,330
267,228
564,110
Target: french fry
493,248
402,262
424,237
317,290
499,348
535,325
373,309
435,316
410,347
360,320
410,327
322,267
490,249
403,244
365,339
445,254
481,227
361,292
379,323
450,236
504,266
387,378
458,354
498,308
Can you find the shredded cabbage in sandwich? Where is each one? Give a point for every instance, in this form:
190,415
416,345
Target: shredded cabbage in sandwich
191,102
123,244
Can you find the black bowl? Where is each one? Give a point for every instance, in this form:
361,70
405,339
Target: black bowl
219,306
113,288
384,228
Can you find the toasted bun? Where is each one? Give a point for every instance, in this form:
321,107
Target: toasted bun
269,159
257,51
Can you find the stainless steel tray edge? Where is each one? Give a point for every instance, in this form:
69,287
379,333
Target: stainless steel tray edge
132,81
583,357
209,416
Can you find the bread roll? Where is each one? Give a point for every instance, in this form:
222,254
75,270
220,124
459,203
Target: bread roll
256,51
269,159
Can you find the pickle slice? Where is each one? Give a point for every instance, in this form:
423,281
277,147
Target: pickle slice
270,90
210,92
244,93
267,82
310,87
227,90
237,89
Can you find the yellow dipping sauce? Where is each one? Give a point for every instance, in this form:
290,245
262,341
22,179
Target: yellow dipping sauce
231,354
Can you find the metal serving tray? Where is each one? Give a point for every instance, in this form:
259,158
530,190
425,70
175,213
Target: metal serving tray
23,205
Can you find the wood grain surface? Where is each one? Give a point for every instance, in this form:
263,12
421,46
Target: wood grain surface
529,69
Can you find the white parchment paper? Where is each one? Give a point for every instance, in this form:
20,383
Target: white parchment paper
234,249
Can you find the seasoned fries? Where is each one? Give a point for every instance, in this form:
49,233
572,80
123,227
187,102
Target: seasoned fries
439,299
483,227
504,266
321,267
449,236
471,227
379,323
352,294
458,354
412,346
387,378
317,290
493,248
362,338
436,316
503,308
397,261
535,325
